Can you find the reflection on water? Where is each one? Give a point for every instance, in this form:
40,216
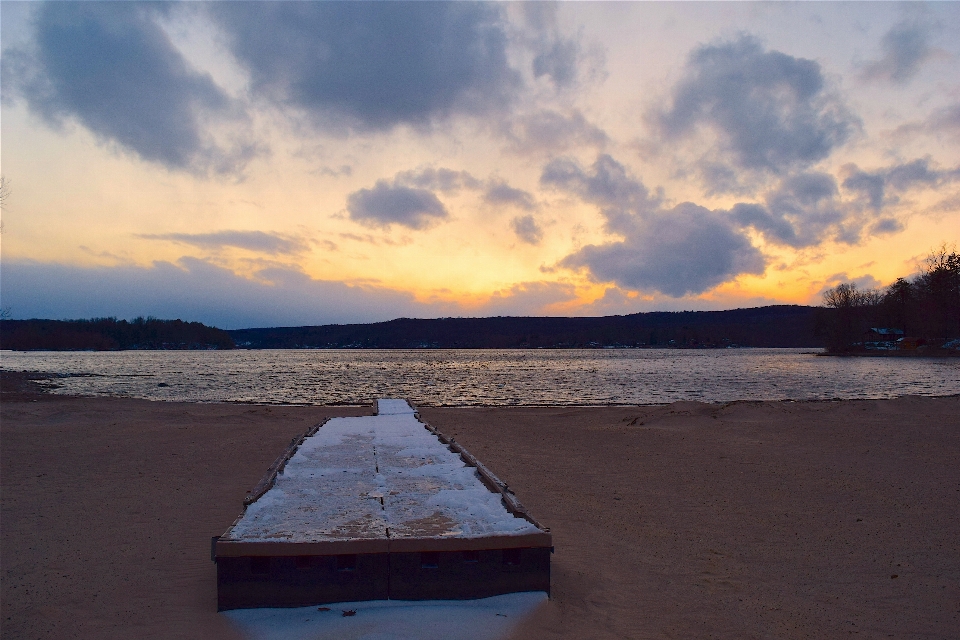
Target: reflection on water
494,377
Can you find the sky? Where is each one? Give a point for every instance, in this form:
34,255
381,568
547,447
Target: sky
251,164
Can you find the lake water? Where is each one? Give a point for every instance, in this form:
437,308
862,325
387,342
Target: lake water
489,377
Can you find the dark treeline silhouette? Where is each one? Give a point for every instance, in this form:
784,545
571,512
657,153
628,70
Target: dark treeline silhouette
775,326
108,334
924,310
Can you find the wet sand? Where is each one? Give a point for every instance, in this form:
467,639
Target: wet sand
749,520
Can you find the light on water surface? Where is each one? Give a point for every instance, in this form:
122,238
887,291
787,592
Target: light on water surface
488,377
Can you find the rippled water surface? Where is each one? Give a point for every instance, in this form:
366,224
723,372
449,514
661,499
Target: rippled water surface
494,377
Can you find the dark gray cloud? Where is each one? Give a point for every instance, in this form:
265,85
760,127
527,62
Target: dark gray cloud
770,111
410,197
905,175
269,243
720,177
500,193
809,189
527,229
621,198
388,203
374,65
437,179
686,249
760,218
882,187
870,185
805,209
905,47
109,66
885,226
802,210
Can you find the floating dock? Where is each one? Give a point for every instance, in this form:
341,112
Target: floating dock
376,508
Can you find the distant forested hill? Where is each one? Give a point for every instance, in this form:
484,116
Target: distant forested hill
108,334
775,326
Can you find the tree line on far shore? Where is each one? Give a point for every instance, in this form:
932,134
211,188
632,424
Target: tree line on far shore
110,334
921,309
925,308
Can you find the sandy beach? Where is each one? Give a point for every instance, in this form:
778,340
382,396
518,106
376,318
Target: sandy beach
689,520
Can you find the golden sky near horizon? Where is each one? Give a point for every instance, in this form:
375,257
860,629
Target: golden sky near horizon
250,164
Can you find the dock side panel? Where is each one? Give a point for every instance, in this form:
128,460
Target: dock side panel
246,582
466,575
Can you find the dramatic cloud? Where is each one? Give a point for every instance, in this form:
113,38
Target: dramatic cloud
688,250
798,213
884,226
500,193
875,186
373,65
621,198
259,241
110,67
771,112
870,185
410,198
905,47
806,209
387,204
678,251
199,291
527,229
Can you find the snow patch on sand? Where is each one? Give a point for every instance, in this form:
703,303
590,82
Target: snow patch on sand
485,619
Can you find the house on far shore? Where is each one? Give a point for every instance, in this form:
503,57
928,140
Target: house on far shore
907,343
882,339
876,334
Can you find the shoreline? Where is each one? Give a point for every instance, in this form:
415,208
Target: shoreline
928,352
906,353
747,519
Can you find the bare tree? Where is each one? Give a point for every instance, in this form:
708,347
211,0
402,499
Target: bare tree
850,308
939,286
846,295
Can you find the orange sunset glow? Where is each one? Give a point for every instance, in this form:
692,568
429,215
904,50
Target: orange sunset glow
258,164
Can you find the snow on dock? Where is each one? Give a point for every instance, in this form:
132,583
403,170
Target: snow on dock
379,503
